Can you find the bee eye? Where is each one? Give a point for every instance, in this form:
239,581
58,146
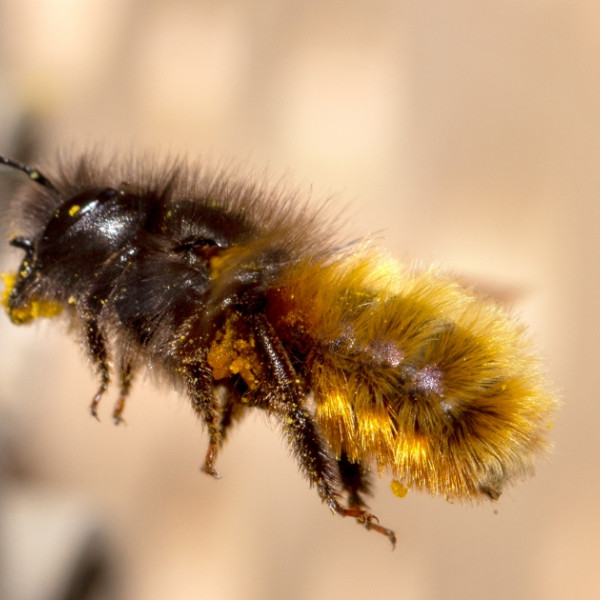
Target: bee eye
98,220
78,208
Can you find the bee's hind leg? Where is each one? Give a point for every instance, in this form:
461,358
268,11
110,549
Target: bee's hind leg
287,398
355,480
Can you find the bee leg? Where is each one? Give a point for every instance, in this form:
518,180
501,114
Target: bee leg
355,480
369,521
232,410
96,345
227,415
201,391
287,398
126,372
356,509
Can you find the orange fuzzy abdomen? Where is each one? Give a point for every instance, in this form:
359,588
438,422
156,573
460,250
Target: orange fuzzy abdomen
421,379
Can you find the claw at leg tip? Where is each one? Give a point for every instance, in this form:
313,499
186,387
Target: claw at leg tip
209,470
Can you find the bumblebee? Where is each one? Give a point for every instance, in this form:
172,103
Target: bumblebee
244,299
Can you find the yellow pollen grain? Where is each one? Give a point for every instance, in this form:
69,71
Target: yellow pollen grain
398,489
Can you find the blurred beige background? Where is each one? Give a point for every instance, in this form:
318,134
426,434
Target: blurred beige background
465,133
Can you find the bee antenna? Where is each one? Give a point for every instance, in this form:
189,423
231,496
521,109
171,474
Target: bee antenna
32,173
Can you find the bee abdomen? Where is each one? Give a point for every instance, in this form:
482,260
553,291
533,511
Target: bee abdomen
425,380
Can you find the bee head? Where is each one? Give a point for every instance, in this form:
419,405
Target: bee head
62,261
